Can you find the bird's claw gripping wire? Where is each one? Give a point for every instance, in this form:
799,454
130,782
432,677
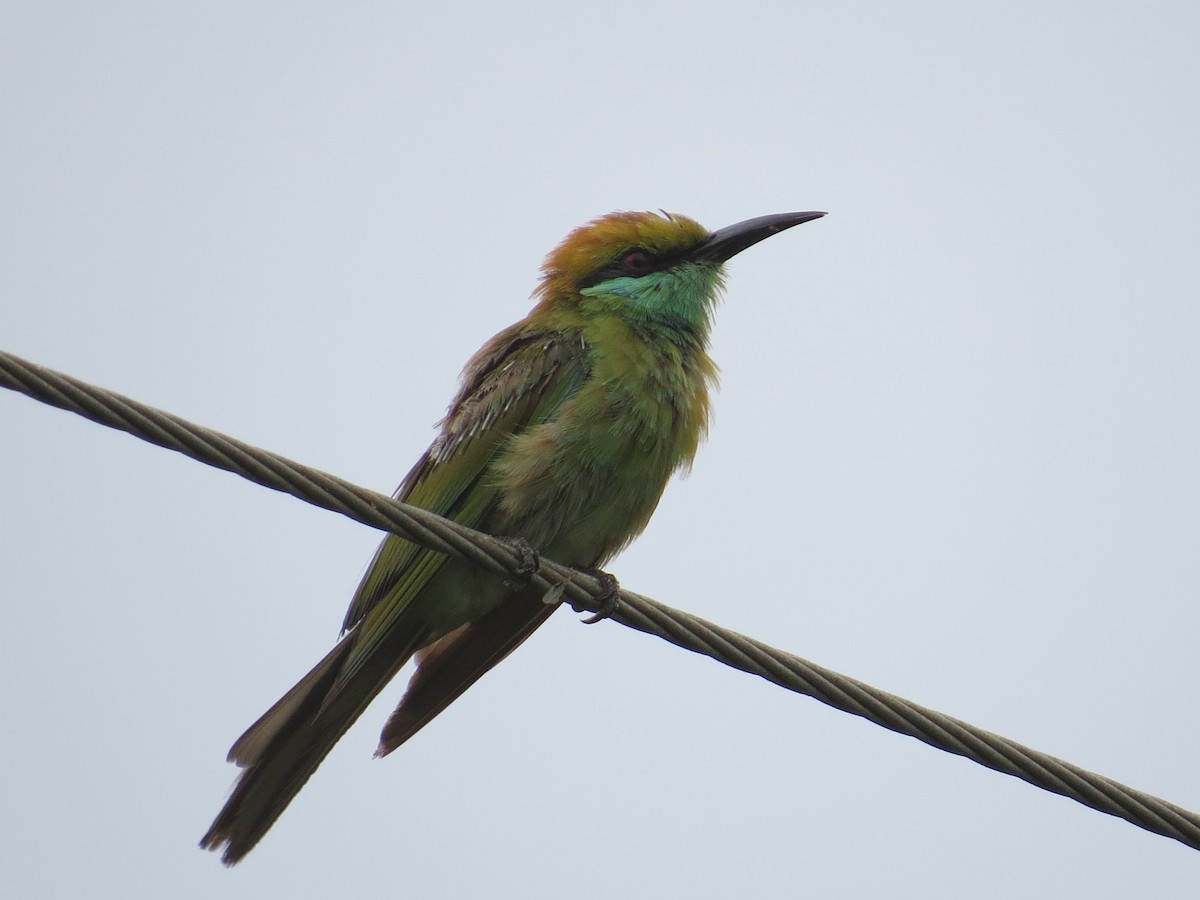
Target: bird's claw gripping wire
609,599
528,562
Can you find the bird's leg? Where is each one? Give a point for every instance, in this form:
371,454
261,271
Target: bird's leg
609,599
528,562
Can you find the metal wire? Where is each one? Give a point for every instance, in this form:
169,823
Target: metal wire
585,591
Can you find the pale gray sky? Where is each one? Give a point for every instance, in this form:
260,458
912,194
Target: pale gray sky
955,453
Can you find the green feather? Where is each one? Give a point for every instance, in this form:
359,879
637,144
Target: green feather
565,431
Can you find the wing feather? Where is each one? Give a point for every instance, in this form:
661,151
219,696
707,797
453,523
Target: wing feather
517,380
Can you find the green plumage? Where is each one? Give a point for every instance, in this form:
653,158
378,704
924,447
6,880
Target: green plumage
565,431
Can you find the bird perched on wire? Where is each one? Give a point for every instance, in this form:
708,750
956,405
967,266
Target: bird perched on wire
563,435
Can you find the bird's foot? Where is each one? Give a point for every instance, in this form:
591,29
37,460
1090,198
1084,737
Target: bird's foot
528,563
609,599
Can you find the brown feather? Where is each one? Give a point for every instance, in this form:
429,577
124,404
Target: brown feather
287,744
453,663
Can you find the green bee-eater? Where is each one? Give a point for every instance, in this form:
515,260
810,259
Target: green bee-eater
564,433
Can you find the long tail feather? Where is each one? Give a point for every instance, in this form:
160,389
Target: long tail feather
456,661
283,748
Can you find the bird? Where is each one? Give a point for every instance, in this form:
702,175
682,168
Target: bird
564,432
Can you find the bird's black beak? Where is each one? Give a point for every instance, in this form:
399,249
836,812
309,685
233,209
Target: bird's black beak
727,242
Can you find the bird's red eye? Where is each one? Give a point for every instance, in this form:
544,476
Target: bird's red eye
637,262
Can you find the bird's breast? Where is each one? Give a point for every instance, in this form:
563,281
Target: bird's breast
582,484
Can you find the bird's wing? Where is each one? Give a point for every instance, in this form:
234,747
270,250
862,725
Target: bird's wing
519,379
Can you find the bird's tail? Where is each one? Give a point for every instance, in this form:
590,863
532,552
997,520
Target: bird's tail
454,662
283,748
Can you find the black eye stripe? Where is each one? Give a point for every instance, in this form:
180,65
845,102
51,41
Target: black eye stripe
621,266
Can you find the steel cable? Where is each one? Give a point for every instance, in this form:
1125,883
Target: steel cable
586,592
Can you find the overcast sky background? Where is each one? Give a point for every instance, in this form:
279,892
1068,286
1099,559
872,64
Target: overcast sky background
956,452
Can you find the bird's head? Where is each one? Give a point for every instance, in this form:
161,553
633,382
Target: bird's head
651,268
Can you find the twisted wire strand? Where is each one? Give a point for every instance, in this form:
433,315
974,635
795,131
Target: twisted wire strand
587,592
